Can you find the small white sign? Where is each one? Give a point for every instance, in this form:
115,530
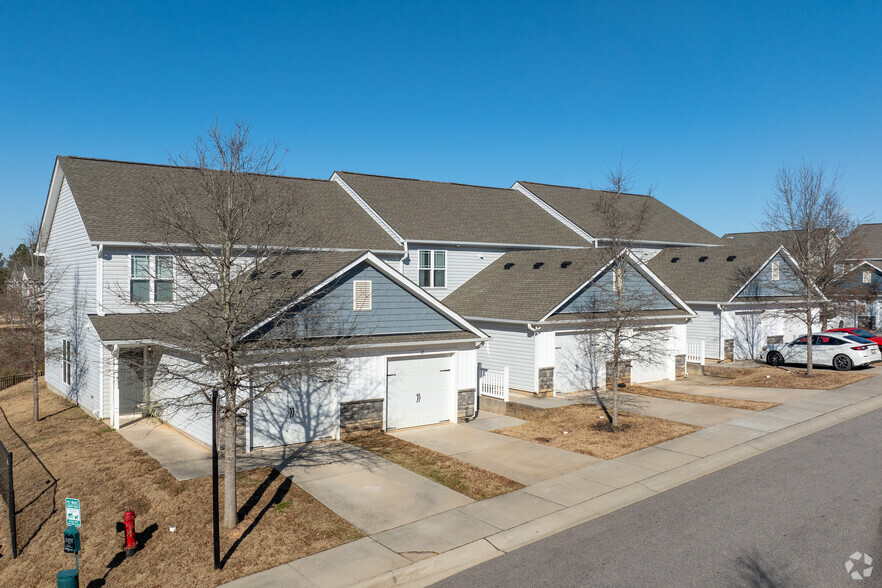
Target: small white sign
72,506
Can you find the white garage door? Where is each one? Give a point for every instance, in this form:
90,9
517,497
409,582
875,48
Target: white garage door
419,391
574,369
654,367
302,411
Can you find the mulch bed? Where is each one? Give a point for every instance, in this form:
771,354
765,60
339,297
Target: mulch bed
584,428
70,454
791,377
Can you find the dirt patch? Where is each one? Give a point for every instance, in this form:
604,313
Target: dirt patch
448,471
755,405
787,377
70,454
583,428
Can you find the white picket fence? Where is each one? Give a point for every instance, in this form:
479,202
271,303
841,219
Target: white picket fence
695,352
493,383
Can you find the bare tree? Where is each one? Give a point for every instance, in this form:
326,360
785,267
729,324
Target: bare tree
23,309
234,252
616,321
808,212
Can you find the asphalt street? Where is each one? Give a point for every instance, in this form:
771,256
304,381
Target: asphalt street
790,517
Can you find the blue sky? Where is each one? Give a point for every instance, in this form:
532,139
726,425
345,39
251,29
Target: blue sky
706,99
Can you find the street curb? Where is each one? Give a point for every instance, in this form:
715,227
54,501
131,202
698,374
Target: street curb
435,569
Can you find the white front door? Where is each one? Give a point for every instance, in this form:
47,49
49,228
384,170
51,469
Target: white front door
419,391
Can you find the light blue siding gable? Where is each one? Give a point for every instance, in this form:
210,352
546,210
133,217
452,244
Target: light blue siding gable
393,310
763,286
600,296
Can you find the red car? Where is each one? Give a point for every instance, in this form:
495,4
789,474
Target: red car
860,333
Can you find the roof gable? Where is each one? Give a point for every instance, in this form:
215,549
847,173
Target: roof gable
425,211
599,295
663,224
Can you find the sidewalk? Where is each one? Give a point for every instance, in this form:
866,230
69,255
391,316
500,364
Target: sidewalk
428,550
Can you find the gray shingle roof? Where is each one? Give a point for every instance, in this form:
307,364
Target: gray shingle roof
110,196
869,238
663,224
523,292
713,280
439,211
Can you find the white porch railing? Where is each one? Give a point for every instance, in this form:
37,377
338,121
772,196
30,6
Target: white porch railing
695,352
493,383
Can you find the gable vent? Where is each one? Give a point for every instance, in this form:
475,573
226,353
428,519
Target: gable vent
731,258
361,295
296,274
565,264
538,264
509,265
675,259
702,259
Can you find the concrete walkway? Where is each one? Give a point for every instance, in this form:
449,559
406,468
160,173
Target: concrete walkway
516,459
424,551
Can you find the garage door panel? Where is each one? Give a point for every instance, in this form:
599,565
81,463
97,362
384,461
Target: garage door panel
300,412
574,369
658,361
419,391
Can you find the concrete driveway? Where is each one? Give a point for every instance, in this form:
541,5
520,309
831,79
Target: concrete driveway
519,460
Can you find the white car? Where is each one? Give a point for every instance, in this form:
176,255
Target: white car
839,350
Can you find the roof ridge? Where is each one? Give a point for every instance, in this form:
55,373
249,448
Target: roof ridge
170,166
426,181
589,189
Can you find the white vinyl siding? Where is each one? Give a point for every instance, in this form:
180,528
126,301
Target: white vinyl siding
462,263
706,327
510,346
71,263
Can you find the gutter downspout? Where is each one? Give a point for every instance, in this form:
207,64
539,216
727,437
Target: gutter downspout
404,258
99,294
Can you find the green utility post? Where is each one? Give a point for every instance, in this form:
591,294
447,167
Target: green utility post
71,578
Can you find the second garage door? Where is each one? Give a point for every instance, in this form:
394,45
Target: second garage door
419,391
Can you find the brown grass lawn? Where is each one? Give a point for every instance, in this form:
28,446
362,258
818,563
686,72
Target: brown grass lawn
756,405
789,377
70,454
583,428
457,475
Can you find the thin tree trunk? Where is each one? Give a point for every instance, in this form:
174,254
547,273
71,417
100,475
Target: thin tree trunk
35,373
615,407
809,371
231,509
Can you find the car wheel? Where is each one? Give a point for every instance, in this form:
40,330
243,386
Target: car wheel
842,363
774,358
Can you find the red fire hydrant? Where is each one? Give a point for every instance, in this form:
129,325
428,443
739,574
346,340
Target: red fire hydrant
131,542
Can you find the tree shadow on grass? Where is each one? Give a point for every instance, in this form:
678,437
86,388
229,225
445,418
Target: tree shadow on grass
143,537
280,493
57,412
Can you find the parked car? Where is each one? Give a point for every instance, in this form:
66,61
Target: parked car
875,338
842,351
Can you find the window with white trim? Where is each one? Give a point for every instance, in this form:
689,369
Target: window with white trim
65,361
433,269
776,271
152,278
867,277
361,295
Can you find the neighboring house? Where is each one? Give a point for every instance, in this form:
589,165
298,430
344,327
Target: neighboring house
869,239
537,307
26,284
409,360
450,232
744,296
577,208
865,287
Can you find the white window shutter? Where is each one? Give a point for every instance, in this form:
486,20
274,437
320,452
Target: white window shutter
361,295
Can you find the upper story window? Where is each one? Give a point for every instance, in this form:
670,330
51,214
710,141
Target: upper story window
152,278
433,269
776,271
